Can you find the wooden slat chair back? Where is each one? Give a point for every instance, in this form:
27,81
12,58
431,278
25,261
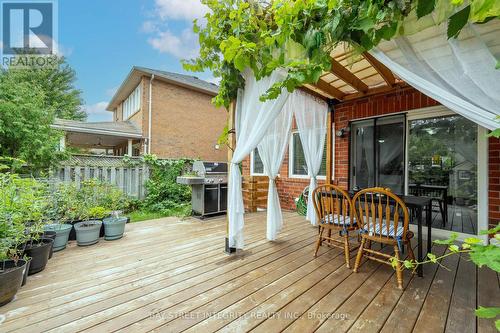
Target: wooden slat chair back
335,215
384,218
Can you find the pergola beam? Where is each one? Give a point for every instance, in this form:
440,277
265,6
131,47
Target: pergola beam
374,91
345,75
329,89
385,72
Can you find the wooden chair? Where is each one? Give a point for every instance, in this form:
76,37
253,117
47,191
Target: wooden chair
382,217
335,214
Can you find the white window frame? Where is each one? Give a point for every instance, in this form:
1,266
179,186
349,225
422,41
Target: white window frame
252,172
133,103
290,158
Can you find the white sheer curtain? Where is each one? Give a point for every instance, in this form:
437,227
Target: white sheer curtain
272,151
459,73
253,119
310,114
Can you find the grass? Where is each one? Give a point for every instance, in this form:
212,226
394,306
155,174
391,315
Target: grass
144,214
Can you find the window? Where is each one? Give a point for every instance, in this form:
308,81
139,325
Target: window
298,166
132,104
256,165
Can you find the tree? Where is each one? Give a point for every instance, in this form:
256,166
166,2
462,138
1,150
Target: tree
57,84
25,123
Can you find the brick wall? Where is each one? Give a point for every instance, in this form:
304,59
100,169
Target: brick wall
494,181
185,122
403,100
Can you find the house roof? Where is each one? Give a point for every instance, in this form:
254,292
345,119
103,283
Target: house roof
136,74
120,128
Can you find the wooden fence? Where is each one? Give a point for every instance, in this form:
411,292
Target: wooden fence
255,192
130,179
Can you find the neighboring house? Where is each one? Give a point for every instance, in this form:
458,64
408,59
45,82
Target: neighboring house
156,112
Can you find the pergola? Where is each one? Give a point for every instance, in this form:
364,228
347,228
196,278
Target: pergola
350,78
458,73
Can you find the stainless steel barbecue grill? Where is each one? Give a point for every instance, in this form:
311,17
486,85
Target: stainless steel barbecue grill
209,195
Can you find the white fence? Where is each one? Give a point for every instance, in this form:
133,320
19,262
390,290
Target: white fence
130,179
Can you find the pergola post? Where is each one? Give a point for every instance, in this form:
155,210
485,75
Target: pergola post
329,143
129,148
231,143
62,142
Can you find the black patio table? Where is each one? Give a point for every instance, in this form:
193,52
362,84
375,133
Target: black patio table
418,204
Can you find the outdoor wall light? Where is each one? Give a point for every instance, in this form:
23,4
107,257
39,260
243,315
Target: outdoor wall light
342,132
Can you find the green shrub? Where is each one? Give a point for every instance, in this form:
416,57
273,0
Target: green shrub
94,199
21,201
163,192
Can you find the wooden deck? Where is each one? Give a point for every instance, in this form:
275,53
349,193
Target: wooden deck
172,276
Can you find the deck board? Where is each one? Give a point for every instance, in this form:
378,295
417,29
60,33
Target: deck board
170,275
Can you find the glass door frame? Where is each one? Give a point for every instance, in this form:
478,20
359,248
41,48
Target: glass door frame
351,151
482,169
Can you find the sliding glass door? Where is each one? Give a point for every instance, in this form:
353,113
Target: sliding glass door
377,153
443,165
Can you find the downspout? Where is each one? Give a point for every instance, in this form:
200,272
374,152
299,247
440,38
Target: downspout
150,111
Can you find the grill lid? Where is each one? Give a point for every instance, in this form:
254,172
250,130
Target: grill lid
210,168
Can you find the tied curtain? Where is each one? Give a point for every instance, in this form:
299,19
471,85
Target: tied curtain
272,151
459,73
311,116
252,120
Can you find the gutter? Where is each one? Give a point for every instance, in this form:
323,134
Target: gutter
150,111
95,131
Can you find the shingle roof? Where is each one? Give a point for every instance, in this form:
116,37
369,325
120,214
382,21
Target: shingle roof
137,73
182,78
118,127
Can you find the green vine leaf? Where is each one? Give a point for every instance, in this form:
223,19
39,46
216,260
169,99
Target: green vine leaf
486,256
457,21
449,241
488,313
425,7
491,231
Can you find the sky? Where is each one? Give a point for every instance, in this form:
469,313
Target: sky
103,39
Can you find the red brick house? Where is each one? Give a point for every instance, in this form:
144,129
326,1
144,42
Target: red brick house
157,112
427,148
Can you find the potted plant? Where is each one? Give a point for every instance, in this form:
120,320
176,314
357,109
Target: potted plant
11,279
68,209
62,234
98,213
38,248
24,205
12,235
114,226
87,232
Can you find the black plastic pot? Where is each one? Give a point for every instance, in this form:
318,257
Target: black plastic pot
72,233
102,232
11,279
39,252
52,235
25,275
